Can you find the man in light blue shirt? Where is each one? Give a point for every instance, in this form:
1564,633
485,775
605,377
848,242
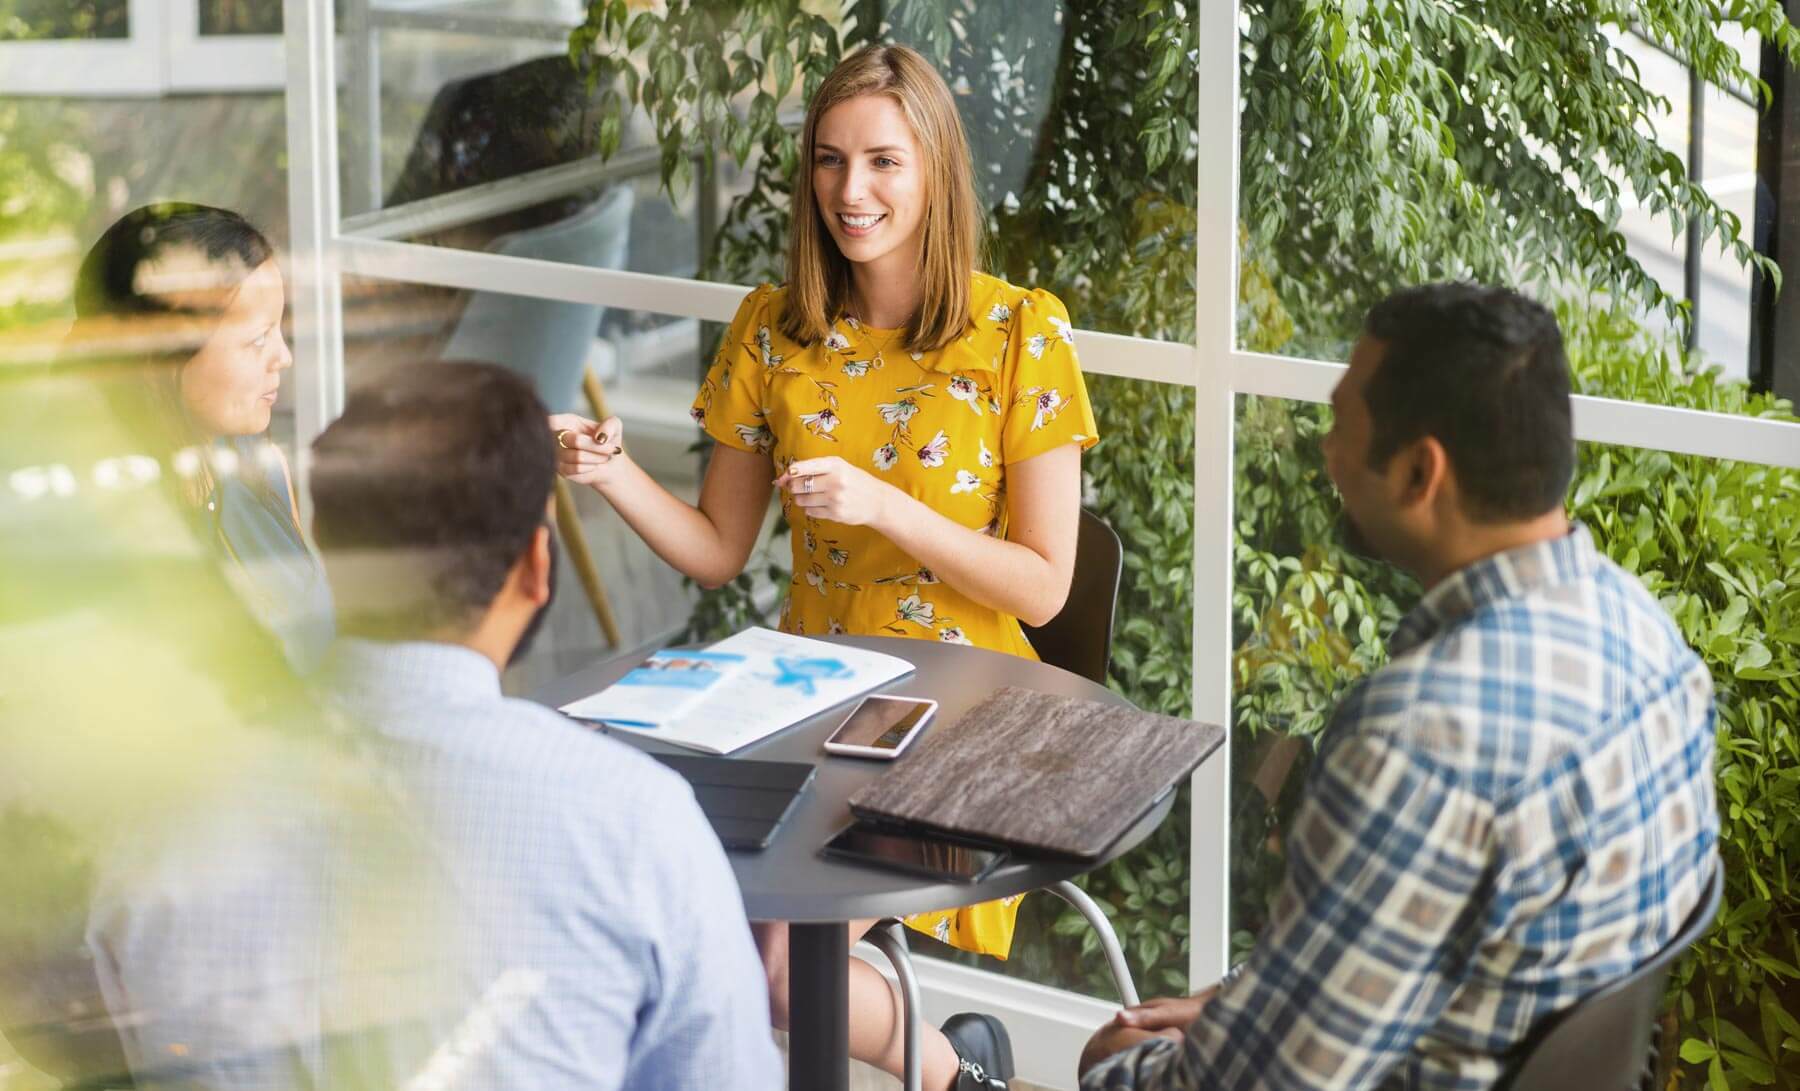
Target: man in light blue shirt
596,936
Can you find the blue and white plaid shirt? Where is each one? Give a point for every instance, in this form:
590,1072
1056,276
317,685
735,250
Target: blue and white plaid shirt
1515,811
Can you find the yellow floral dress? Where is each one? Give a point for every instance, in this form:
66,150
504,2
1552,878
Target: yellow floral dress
941,426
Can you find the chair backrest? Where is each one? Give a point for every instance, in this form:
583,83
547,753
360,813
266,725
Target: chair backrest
1079,638
1603,1042
547,339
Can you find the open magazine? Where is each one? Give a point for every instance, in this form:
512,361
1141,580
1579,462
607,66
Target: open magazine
733,693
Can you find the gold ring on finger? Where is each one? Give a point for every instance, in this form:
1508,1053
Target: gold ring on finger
562,439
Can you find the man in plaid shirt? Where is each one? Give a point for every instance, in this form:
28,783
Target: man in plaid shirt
1515,811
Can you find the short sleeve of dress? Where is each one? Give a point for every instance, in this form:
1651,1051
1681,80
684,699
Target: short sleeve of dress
1048,404
729,406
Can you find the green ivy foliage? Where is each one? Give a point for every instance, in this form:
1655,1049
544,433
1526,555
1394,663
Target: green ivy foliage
1384,142
1376,131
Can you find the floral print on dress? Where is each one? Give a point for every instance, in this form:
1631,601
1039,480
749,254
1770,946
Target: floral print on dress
920,576
940,425
969,392
933,454
900,412
885,414
822,423
914,609
1046,403
757,438
770,357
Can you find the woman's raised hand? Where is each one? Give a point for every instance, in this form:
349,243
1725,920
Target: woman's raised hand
587,453
830,488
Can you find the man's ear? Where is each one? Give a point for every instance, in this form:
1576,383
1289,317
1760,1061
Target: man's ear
1421,472
534,567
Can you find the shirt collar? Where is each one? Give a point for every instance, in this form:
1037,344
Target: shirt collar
423,671
977,349
1508,574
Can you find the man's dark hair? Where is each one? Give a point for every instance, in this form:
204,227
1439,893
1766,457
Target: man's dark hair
1482,370
426,492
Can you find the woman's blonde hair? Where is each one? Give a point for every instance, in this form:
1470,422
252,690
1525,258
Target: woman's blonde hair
818,273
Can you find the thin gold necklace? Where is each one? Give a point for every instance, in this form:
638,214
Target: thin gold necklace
863,330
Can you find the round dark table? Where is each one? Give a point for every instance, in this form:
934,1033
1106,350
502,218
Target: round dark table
790,881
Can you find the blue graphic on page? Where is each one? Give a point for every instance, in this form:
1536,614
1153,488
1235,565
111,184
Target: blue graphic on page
801,674
695,670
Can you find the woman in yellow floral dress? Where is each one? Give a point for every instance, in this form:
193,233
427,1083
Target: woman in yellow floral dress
924,424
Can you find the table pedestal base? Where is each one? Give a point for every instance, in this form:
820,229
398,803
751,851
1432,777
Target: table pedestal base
818,1007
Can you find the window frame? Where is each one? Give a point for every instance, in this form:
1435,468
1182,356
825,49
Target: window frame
1049,1026
162,53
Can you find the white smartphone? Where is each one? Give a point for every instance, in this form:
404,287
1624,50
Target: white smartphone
881,726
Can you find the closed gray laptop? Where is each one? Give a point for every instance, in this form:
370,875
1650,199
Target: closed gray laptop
1039,773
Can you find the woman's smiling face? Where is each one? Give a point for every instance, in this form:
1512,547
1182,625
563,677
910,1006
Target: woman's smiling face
868,177
230,385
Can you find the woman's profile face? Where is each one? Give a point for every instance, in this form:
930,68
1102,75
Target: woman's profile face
868,177
229,387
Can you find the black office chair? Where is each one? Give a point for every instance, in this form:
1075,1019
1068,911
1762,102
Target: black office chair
1606,1042
1079,638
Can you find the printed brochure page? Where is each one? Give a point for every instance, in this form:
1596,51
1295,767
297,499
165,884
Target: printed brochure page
780,681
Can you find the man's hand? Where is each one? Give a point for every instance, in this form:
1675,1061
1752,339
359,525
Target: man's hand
1165,1013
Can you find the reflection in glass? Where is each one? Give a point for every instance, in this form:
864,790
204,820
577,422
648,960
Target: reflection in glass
1087,170
220,17
645,368
54,20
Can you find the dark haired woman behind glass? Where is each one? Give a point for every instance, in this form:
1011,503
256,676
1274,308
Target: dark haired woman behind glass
206,281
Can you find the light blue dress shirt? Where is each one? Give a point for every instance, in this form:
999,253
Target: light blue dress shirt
586,877
441,888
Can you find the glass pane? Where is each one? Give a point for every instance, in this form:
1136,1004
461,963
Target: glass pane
648,369
51,20
74,166
1140,480
1363,171
240,17
1712,540
1086,172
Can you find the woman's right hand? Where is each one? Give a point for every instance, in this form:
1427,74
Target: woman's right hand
588,453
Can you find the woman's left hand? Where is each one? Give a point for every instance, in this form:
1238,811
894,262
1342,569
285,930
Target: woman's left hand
830,488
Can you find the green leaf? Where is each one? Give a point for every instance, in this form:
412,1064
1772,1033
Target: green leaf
1694,1051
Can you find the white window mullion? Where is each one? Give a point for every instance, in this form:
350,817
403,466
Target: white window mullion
1215,322
1597,420
219,62
316,289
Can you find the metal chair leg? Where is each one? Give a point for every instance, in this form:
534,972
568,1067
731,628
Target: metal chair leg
1109,940
890,940
568,522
